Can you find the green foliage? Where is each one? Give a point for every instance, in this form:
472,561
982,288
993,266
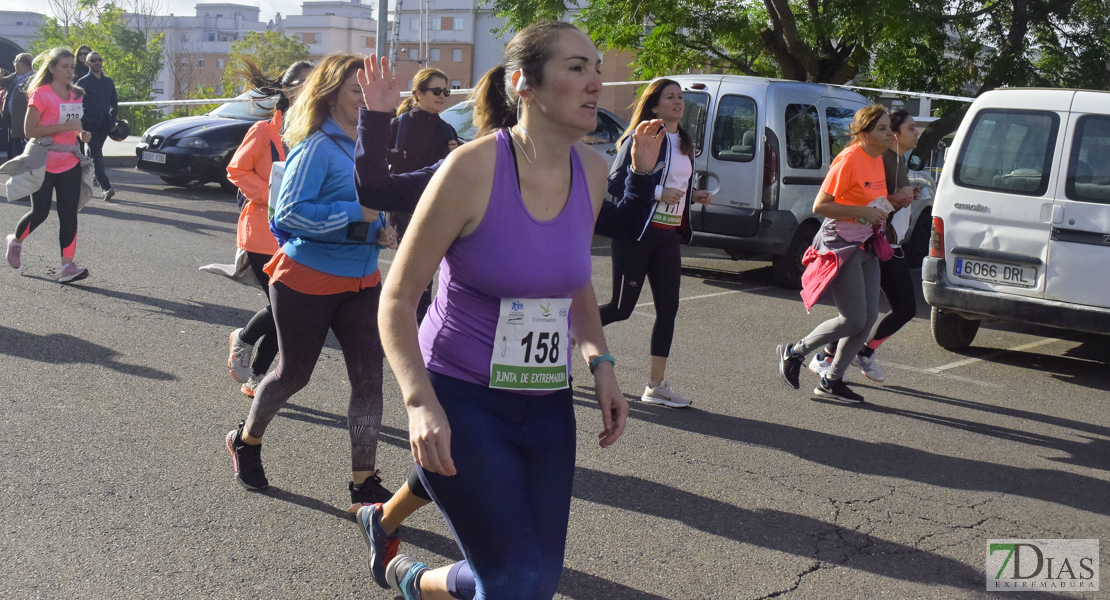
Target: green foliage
273,51
131,58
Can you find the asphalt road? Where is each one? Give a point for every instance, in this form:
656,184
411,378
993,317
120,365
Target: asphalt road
115,398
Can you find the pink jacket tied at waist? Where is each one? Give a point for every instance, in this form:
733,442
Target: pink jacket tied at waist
822,260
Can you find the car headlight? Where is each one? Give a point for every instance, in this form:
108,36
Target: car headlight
192,142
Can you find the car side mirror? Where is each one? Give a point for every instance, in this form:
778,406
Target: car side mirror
915,163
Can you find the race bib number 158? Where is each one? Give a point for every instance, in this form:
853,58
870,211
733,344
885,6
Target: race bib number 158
531,344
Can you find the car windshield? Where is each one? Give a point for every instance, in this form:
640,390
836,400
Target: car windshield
255,107
461,117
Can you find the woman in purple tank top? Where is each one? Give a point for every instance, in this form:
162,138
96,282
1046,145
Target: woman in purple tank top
485,381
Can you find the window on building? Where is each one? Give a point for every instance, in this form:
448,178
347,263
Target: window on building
184,62
200,62
184,38
159,87
212,37
414,24
456,23
368,42
220,63
435,54
309,38
414,54
456,84
456,55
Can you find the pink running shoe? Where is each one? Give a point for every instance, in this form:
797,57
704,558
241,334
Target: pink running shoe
13,249
72,272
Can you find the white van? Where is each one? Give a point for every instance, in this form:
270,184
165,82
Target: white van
1021,223
763,147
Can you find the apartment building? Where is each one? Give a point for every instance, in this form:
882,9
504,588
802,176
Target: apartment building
17,29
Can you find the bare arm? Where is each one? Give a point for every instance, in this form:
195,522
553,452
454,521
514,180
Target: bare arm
827,206
442,215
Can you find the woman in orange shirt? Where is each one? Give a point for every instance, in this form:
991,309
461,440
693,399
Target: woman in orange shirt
249,170
850,200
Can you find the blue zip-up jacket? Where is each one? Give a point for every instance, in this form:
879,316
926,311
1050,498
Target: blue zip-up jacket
620,175
318,206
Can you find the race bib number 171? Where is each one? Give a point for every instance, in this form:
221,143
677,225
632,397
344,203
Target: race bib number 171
531,344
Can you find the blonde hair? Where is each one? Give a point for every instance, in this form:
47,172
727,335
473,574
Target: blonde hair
317,96
422,77
43,76
865,120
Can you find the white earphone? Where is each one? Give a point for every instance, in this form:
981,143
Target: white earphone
521,82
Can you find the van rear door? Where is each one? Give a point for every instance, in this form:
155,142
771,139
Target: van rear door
1078,265
997,227
726,126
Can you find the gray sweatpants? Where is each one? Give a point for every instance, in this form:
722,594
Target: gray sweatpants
856,294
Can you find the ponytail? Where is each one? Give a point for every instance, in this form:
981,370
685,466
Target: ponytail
494,104
406,105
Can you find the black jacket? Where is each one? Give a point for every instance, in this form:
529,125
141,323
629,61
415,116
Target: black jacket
426,136
378,190
621,173
101,102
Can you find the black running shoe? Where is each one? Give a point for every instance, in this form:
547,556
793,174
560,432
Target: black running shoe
789,364
836,388
247,460
370,492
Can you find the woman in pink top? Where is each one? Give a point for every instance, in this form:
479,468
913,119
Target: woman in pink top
54,110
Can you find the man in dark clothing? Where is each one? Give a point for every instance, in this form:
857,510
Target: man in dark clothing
15,103
101,105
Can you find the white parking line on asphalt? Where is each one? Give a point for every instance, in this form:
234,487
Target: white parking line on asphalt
936,373
681,300
996,353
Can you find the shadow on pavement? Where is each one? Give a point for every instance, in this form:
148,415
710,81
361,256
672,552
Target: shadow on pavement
306,502
60,348
891,460
202,312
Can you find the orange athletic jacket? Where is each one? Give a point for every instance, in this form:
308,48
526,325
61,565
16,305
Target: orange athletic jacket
249,170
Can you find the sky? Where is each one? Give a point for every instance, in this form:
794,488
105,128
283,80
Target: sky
269,7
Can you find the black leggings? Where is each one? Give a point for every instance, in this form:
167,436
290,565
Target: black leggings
261,326
658,257
303,321
67,186
897,283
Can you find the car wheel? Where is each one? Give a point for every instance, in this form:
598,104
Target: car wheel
787,267
178,181
917,246
227,186
951,331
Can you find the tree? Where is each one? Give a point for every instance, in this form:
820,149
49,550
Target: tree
273,51
132,58
954,47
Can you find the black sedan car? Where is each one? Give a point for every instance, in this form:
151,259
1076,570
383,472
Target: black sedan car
189,149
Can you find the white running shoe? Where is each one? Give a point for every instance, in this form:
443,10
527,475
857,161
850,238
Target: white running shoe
870,368
820,364
663,394
13,251
239,357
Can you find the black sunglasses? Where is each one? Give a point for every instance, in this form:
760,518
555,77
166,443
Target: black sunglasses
445,92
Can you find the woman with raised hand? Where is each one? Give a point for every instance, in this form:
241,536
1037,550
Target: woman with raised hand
249,170
53,123
655,253
843,259
379,190
485,382
323,277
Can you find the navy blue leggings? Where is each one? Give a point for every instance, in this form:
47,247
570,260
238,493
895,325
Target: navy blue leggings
509,502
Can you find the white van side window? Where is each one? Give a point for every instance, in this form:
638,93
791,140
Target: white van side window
1089,166
839,121
694,118
734,134
803,137
1008,151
